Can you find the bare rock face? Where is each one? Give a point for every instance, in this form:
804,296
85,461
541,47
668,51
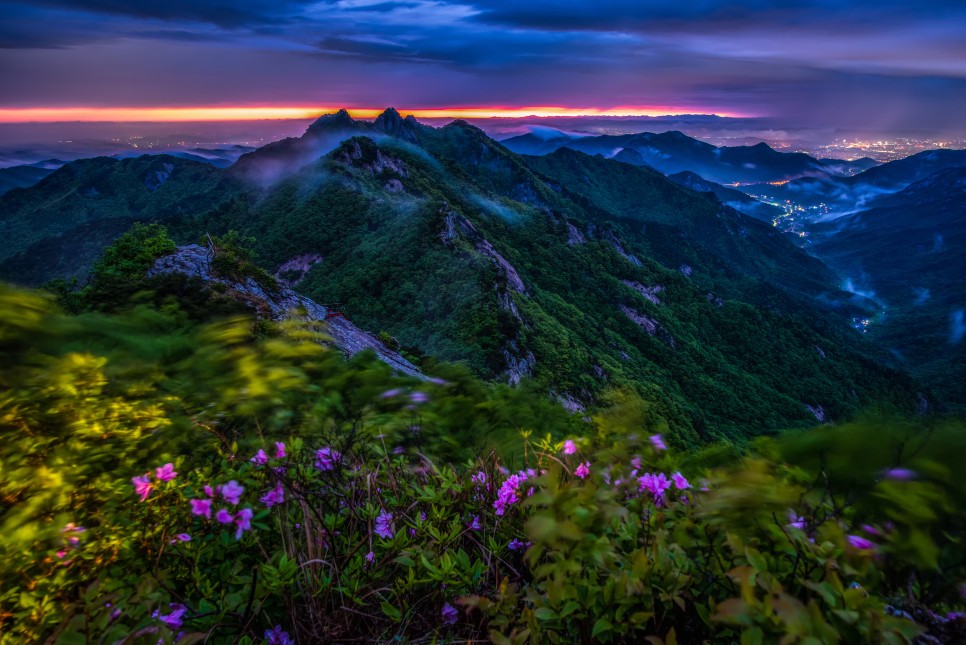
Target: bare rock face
293,271
282,304
574,236
649,293
648,324
619,247
818,412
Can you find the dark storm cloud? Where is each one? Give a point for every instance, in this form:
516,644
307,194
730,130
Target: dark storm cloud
225,13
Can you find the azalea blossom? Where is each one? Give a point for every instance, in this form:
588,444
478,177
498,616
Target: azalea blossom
260,458
274,496
327,458
509,491
142,486
277,636
243,521
384,525
656,485
583,470
474,524
172,620
201,507
450,615
680,482
165,473
796,521
279,450
184,537
224,516
209,491
569,447
232,492
517,545
900,474
658,442
859,542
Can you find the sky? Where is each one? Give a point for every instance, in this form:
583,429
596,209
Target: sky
887,64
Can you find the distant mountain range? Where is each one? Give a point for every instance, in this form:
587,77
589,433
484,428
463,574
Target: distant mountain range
674,152
848,194
575,273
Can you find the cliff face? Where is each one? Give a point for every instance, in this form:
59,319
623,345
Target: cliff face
282,304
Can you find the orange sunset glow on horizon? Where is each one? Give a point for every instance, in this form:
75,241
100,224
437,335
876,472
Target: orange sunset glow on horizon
255,113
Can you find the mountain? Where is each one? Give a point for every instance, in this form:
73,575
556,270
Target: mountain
674,152
736,199
57,227
27,175
847,194
906,253
574,274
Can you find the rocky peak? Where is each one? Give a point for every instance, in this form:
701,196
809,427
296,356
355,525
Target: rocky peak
339,120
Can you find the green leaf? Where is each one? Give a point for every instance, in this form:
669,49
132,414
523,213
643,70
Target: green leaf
602,626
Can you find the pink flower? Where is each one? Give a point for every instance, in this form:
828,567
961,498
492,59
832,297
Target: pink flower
201,507
860,543
260,458
680,482
658,442
243,521
450,615
569,447
142,486
184,537
274,496
479,478
656,485
166,472
277,636
583,470
279,450
224,516
384,525
172,620
209,491
327,458
509,492
232,492
871,530
636,463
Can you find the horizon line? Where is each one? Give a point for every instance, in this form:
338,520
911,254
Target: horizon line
85,114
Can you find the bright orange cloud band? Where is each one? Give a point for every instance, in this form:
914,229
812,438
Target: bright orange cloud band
156,114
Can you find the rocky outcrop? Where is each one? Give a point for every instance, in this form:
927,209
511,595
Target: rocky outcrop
291,272
818,412
375,164
609,236
519,360
649,293
281,304
648,324
574,236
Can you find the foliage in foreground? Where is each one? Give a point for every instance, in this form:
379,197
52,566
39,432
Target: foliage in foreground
167,481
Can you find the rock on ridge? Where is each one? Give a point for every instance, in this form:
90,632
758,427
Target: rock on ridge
282,304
